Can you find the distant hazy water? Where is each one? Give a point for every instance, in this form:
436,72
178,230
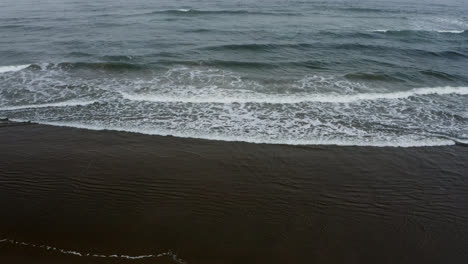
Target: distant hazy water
294,72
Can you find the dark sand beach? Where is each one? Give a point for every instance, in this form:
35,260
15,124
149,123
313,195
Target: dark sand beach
106,192
234,132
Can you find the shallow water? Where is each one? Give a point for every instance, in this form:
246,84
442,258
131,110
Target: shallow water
373,73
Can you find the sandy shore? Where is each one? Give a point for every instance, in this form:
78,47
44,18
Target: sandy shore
105,193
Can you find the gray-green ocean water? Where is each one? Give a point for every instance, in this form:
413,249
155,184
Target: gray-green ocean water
382,73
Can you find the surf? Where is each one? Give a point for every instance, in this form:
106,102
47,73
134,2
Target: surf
299,98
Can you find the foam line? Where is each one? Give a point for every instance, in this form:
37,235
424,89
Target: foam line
294,99
95,255
59,104
404,141
451,31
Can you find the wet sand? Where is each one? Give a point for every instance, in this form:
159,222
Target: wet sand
105,193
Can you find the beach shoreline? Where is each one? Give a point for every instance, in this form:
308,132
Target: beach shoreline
108,193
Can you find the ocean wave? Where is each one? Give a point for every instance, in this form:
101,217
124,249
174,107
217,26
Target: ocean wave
116,65
58,104
305,47
369,10
169,254
403,31
268,47
190,12
98,65
373,77
451,54
13,68
257,46
451,31
252,97
222,63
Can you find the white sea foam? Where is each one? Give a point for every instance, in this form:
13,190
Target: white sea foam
402,141
95,255
214,104
453,31
294,99
58,104
183,10
13,68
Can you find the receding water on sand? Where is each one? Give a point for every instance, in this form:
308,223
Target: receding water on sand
116,193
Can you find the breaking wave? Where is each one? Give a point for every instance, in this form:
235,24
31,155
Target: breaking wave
13,68
396,31
300,98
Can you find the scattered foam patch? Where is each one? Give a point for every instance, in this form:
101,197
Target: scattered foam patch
13,68
170,254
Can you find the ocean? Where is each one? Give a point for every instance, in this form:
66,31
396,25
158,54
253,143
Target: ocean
366,73
226,132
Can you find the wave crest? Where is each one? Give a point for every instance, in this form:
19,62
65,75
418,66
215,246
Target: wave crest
13,68
253,97
58,104
409,31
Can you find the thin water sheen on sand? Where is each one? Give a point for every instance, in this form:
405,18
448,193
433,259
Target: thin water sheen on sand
198,201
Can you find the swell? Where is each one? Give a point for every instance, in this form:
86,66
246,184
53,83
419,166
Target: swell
402,77
299,98
49,248
369,10
118,63
164,64
191,12
110,66
373,77
257,47
415,32
273,47
107,66
222,63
